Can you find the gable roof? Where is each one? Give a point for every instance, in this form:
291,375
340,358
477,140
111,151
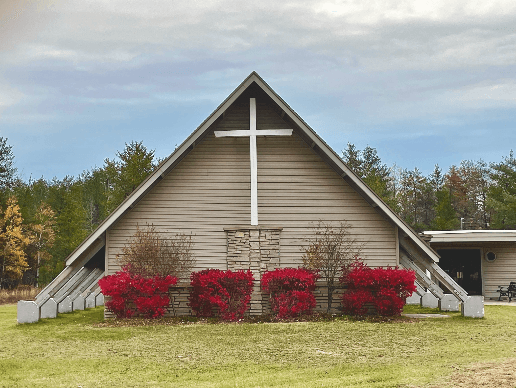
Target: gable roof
303,130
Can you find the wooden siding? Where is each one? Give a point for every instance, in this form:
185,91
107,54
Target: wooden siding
210,189
500,272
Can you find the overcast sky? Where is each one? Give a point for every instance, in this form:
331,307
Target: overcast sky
423,82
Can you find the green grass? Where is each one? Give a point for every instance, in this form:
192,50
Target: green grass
71,351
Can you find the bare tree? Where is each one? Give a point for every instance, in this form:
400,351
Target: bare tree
329,250
150,254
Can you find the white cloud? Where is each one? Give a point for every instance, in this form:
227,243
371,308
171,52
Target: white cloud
378,11
381,34
8,95
381,60
500,94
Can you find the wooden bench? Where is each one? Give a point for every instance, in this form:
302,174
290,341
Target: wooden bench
509,291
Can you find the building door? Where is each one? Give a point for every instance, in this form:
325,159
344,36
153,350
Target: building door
464,266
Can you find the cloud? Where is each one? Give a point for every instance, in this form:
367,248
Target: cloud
499,94
404,34
378,70
8,96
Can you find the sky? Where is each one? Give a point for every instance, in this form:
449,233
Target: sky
423,82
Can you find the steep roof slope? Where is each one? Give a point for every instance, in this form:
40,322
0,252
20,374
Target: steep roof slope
256,83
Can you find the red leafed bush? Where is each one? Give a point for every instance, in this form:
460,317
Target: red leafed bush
221,293
385,289
134,295
290,290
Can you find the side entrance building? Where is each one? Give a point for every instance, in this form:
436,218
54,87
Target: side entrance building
480,261
249,184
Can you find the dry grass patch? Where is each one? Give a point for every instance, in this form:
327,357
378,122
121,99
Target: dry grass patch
486,375
18,293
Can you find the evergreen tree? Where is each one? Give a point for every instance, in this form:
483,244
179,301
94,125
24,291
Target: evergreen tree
445,215
368,166
436,179
124,175
30,195
65,199
95,197
7,169
353,158
415,198
502,194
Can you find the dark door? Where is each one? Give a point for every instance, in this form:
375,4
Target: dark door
464,266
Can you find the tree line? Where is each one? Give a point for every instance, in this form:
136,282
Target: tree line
471,195
42,221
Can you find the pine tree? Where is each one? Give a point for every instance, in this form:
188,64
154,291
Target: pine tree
502,194
95,196
30,195
124,175
415,197
65,199
368,166
7,169
445,215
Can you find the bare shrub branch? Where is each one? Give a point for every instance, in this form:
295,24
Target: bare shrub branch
150,254
330,249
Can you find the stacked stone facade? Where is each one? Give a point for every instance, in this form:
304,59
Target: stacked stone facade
321,298
256,249
179,301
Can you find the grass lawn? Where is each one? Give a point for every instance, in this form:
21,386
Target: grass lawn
72,351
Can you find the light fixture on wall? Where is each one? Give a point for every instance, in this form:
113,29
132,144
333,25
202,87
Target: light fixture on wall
490,256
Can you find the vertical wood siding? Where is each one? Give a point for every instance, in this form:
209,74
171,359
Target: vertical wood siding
210,189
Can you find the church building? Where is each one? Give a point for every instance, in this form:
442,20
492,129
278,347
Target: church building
249,185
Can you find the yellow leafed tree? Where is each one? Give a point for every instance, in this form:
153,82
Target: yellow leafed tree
42,238
13,240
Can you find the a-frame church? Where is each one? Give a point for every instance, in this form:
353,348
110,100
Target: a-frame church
249,184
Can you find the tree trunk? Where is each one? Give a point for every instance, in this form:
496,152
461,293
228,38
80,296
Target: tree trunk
331,288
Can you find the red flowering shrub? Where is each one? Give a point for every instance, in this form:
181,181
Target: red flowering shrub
290,290
134,295
221,293
385,289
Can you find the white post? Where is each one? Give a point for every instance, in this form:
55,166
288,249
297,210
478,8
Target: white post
254,161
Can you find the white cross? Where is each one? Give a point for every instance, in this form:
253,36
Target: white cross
252,133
